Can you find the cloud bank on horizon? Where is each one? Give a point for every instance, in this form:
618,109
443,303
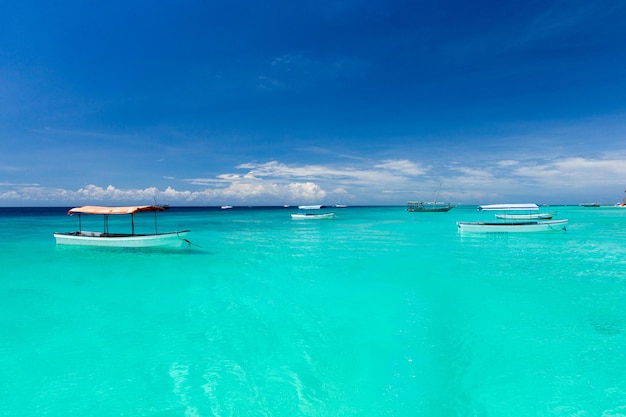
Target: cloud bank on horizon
273,182
377,102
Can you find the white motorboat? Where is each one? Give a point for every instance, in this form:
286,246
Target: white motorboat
507,225
125,240
313,207
304,215
312,216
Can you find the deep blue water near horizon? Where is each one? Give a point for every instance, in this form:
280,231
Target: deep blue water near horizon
380,312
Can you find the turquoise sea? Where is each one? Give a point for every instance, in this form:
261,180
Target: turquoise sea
380,312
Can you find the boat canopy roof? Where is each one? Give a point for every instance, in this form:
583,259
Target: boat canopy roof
114,210
526,207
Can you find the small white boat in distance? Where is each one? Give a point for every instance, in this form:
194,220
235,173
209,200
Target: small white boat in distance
506,225
124,240
314,207
226,207
312,216
509,207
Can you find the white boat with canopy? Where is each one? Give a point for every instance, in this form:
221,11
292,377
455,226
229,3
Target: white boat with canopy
127,240
513,224
304,215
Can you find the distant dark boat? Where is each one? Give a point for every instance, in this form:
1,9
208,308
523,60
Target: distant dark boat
589,204
434,207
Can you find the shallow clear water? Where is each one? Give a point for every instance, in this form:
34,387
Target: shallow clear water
380,312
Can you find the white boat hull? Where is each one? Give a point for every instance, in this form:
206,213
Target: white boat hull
517,227
307,216
315,207
532,216
173,239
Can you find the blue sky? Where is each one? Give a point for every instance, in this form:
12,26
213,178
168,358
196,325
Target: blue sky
319,102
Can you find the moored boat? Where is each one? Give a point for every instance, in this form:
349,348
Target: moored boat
304,215
520,226
507,225
312,216
433,207
126,240
312,207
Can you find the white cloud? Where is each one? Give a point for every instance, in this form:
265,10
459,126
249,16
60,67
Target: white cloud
235,192
507,163
11,184
387,171
563,180
11,168
403,166
270,182
576,172
468,172
383,182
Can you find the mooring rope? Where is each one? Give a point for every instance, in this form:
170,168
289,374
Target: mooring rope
189,243
557,229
